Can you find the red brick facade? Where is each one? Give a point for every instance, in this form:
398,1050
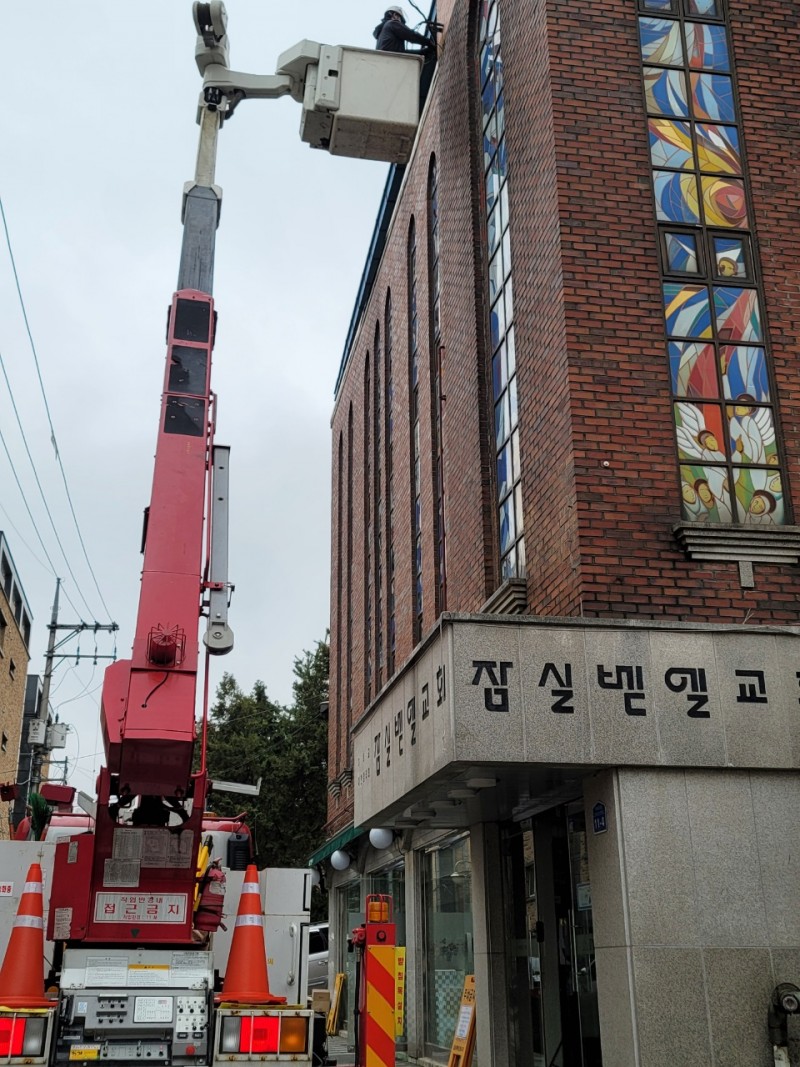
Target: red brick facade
600,476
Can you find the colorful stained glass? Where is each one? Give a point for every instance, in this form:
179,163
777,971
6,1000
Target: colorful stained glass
709,8
487,57
661,41
724,202
706,494
498,74
744,373
665,92
759,497
681,252
712,97
707,46
718,148
738,314
490,140
676,196
694,372
687,310
670,144
487,101
730,257
699,431
752,435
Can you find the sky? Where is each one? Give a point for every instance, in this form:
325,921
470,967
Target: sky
98,137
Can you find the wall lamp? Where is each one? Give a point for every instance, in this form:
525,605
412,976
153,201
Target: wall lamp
381,837
341,860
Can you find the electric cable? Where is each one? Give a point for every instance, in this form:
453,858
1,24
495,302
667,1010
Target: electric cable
50,423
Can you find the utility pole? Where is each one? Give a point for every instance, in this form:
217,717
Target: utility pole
40,746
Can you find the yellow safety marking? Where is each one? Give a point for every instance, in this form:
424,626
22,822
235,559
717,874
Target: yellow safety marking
84,1052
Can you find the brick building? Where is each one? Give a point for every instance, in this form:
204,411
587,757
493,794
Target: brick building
15,636
566,464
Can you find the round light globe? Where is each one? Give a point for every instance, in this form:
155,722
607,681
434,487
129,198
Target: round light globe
340,860
316,877
381,837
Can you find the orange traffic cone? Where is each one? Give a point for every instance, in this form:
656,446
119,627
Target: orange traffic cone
21,981
246,980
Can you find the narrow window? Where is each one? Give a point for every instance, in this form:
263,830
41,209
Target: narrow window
416,458
349,569
388,413
726,434
340,633
367,505
437,397
495,190
378,514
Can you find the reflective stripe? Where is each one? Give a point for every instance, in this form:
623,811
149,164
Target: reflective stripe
250,887
32,887
36,921
249,920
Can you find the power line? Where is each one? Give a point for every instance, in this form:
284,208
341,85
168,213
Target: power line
38,483
49,420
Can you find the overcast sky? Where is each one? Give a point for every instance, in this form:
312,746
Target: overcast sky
98,137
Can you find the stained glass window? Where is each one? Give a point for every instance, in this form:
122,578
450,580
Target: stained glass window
680,251
501,298
730,257
725,427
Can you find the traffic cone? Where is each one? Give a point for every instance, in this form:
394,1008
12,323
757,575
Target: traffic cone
246,980
21,981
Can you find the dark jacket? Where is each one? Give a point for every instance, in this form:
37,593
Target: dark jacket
391,36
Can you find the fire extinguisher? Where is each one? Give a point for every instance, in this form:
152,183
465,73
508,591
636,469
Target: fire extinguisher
208,916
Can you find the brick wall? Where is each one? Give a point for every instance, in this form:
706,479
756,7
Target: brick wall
600,478
13,672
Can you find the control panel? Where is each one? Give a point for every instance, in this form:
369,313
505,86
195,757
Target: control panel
127,1026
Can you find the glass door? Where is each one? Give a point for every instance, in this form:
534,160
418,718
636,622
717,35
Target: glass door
584,973
552,978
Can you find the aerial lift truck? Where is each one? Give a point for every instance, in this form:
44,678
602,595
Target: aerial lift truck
131,916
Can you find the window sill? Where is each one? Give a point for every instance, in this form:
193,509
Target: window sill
510,599
733,544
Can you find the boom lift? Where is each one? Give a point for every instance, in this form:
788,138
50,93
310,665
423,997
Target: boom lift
122,908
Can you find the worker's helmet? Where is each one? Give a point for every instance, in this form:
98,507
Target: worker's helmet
395,9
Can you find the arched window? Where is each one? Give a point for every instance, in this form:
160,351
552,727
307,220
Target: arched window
500,297
367,506
378,516
388,422
349,570
437,399
416,458
340,631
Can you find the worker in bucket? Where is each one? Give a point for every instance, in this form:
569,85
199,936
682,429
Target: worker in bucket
392,34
